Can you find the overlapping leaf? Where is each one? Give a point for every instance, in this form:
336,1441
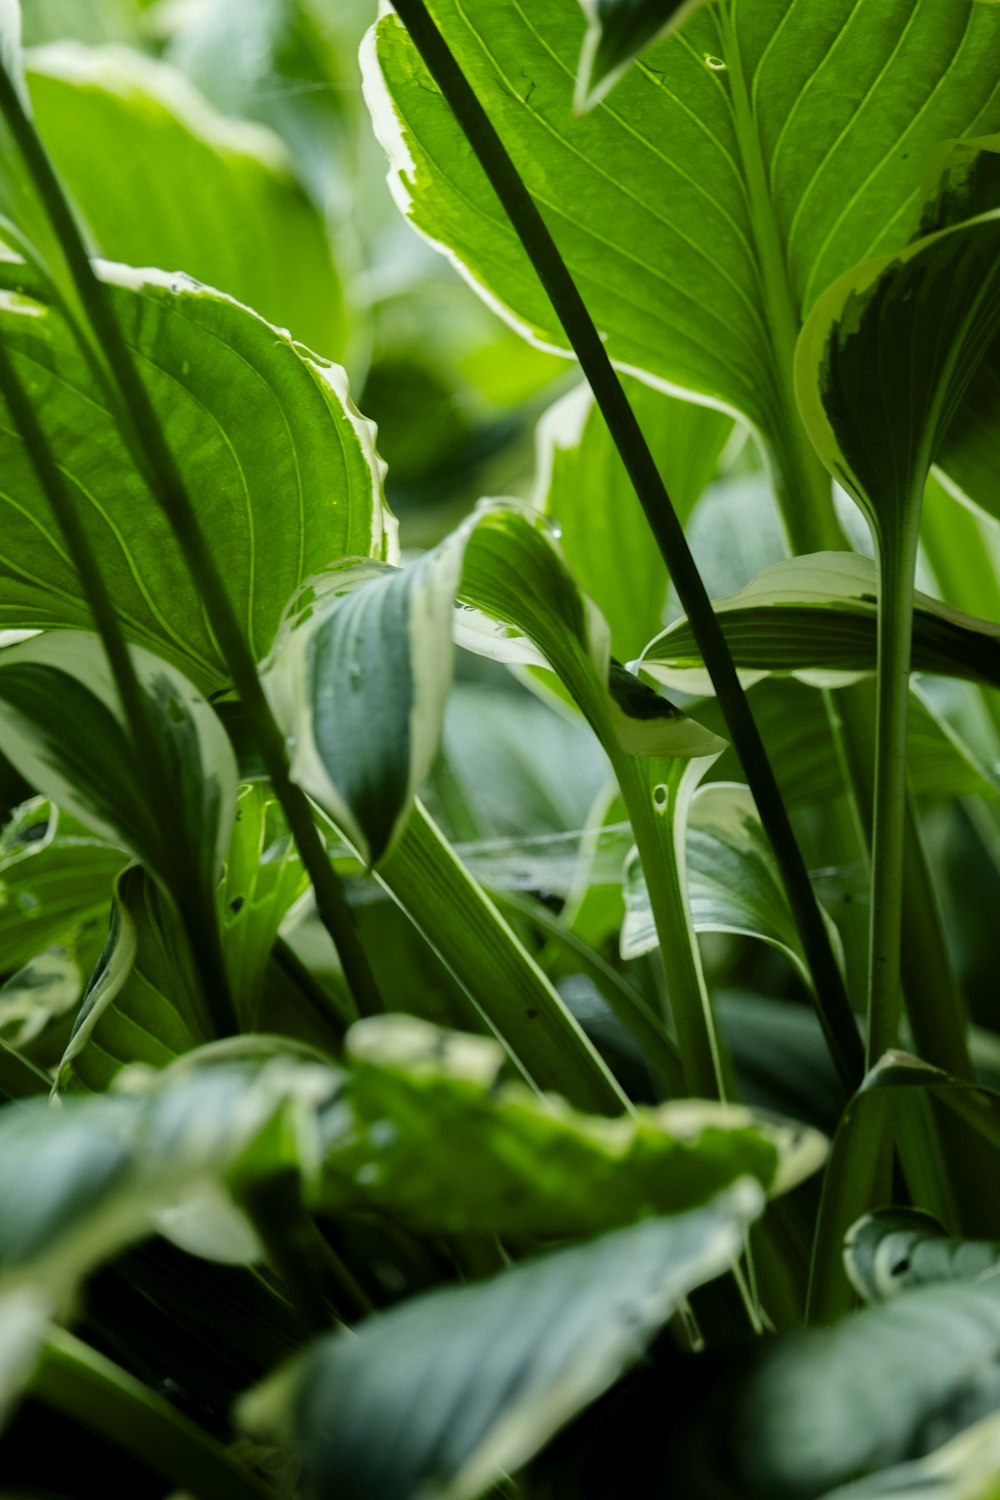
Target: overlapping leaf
767,130
132,139
283,468
65,727
441,1396
517,1164
895,1249
617,31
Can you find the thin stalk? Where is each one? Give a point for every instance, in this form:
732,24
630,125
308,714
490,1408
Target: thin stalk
654,827
835,1014
20,1078
76,1380
143,432
896,570
198,920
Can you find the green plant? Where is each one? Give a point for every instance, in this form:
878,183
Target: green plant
431,1080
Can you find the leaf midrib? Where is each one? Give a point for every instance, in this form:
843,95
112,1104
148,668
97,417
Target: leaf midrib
812,525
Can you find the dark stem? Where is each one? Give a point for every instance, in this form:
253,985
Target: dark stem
833,1007
144,434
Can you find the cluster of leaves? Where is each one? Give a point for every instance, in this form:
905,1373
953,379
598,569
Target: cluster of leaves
435,1062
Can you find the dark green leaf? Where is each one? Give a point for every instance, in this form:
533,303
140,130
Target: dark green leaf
896,1249
441,1396
617,32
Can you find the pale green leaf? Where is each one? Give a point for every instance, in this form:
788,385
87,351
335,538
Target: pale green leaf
817,616
266,437
442,1395
583,486
43,991
133,141
518,1164
896,1249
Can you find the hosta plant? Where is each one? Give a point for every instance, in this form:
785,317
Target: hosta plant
500,1002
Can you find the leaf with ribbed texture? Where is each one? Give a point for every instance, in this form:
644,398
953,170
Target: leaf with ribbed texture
132,139
283,467
437,1141
617,31
774,174
895,1249
64,725
817,616
55,876
442,1395
583,486
733,880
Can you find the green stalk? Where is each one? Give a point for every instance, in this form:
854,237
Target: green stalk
836,1016
19,1078
144,434
895,593
197,918
658,828
77,1381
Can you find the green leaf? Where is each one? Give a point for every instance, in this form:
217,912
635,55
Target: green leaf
82,1181
358,678
64,726
442,1395
896,1249
520,1165
928,314
796,729
132,139
817,617
362,667
265,434
55,877
617,31
824,1407
142,1004
773,175
263,880
853,1158
964,1469
733,880
583,486
504,983
43,991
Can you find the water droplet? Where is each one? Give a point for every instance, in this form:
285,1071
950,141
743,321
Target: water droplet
716,64
383,1133
552,526
660,795
356,674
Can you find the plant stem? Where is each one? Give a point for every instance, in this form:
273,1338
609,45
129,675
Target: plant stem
835,1014
197,918
76,1380
144,434
895,592
19,1078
